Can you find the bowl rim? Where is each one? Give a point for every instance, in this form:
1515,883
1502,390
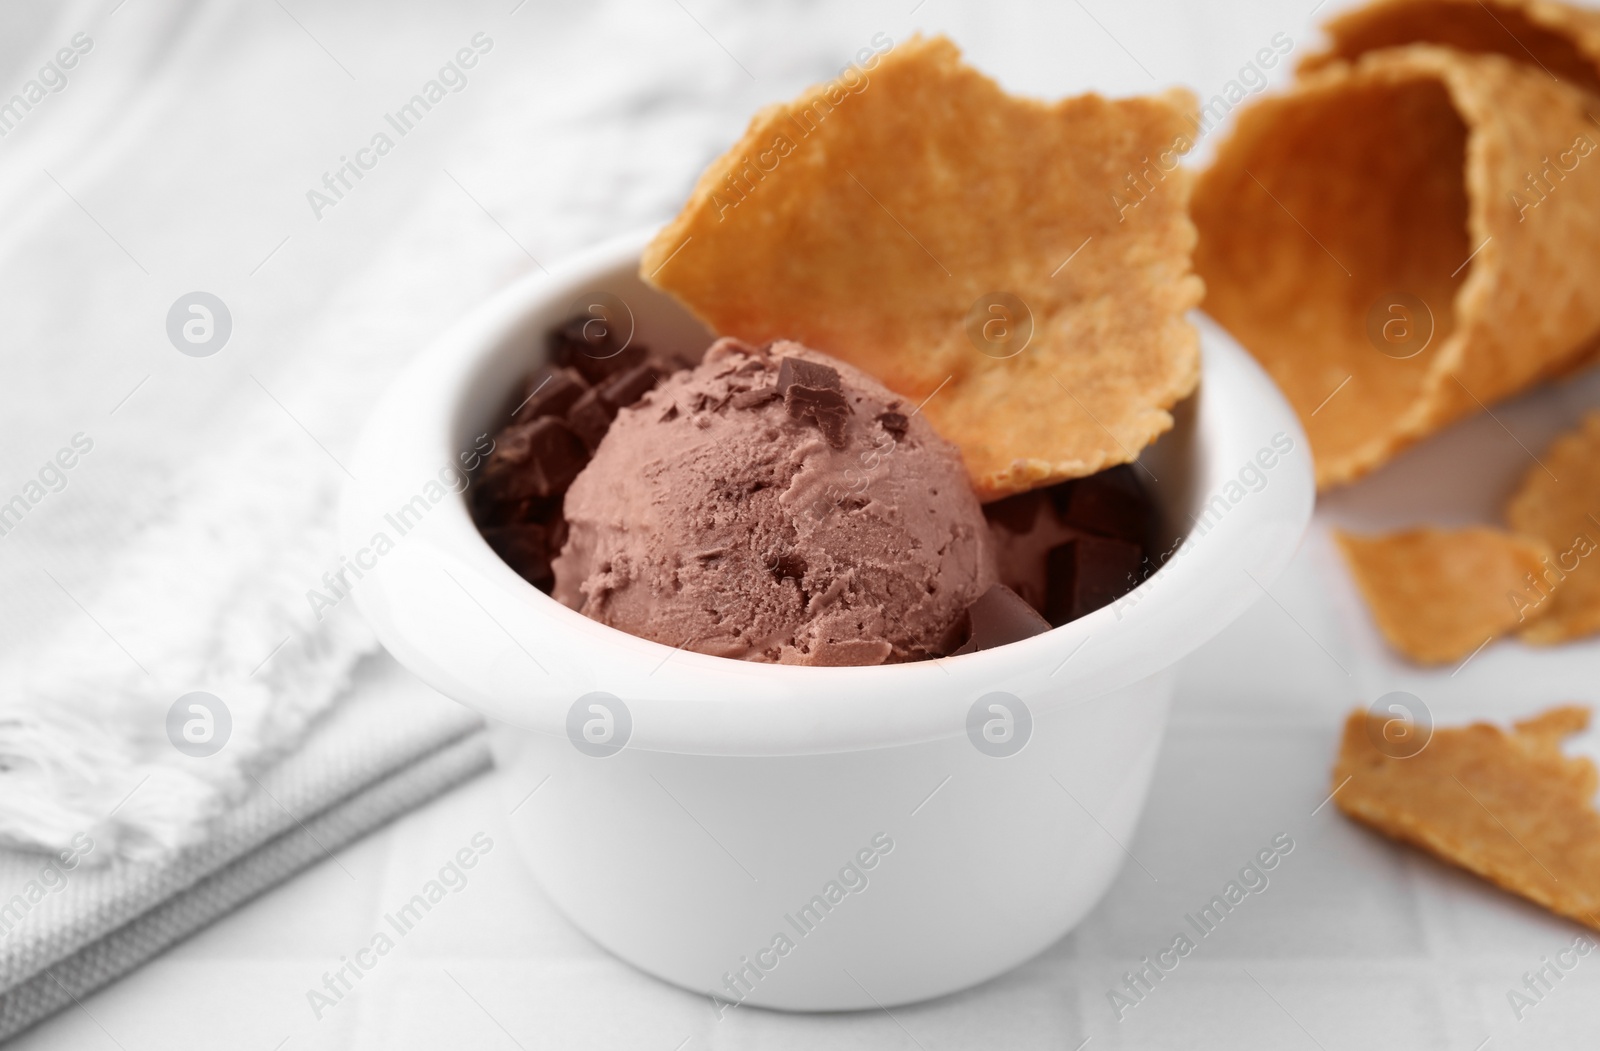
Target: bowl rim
680,700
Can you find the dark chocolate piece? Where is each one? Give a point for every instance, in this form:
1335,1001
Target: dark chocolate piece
807,374
625,388
590,418
1000,616
1111,503
589,345
535,459
1016,514
750,399
549,392
814,390
828,408
1089,572
789,565
529,548
896,423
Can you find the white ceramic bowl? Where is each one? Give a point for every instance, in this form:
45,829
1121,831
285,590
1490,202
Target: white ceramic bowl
805,838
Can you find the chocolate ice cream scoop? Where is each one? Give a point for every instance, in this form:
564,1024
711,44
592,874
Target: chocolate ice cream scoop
776,505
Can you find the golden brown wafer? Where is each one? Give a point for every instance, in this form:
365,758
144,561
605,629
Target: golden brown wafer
1403,240
1561,39
920,224
1508,807
1559,502
1437,595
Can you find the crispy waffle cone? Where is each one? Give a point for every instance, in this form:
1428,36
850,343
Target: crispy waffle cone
1403,240
1560,39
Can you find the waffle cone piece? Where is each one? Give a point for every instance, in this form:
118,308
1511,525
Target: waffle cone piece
1405,239
899,224
1508,807
1560,39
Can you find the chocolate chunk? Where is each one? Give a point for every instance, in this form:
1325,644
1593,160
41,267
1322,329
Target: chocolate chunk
896,423
789,565
1084,574
548,392
1111,503
590,418
534,460
807,374
490,507
625,388
749,399
814,390
590,346
529,549
827,407
1016,514
1000,616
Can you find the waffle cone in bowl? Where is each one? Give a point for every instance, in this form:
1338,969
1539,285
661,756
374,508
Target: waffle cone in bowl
1405,239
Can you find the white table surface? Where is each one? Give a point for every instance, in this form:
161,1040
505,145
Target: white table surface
589,121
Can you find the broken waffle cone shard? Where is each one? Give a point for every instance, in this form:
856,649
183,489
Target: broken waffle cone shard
1404,240
1508,807
1561,39
1438,595
874,217
1559,502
